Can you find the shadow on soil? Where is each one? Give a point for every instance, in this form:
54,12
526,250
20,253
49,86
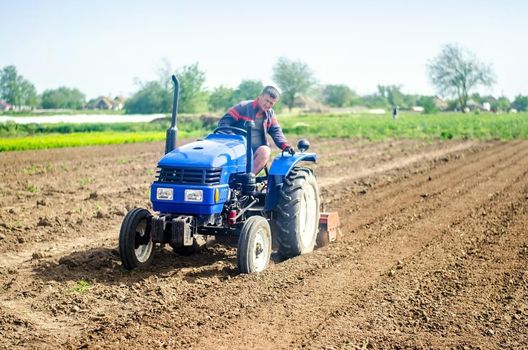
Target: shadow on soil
104,266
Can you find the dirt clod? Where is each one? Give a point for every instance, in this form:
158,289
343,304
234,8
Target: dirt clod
93,195
44,221
38,255
43,202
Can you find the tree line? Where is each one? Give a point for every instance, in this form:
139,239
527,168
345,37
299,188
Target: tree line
455,73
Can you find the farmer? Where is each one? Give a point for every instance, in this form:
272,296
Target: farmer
395,112
259,111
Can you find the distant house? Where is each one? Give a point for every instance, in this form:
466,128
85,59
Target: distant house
308,104
118,103
440,103
472,105
488,101
106,103
101,102
4,106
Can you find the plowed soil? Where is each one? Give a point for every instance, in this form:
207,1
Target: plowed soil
433,254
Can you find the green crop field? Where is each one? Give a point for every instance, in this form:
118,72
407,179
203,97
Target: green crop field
81,139
484,126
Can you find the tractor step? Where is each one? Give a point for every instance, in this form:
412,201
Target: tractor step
328,228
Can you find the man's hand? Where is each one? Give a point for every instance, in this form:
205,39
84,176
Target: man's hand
290,150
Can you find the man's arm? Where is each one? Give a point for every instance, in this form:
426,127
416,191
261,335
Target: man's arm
276,133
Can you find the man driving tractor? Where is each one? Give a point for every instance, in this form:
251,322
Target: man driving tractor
261,113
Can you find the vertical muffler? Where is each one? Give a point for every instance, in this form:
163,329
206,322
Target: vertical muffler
172,132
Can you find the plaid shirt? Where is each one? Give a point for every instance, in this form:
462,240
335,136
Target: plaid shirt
249,111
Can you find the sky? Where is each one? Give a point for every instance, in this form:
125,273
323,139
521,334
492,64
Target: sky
108,47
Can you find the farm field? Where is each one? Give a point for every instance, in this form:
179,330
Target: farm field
485,126
433,254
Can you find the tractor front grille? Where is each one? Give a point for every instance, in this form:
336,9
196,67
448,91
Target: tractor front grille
194,176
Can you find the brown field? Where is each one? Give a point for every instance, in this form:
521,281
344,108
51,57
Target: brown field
434,254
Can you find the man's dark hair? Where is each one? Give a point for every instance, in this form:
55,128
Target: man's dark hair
271,91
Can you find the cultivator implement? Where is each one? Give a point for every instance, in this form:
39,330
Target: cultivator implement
328,229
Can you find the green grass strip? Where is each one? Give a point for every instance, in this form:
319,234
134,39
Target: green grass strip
81,139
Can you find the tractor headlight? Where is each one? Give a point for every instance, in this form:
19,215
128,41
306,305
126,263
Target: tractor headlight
164,193
193,195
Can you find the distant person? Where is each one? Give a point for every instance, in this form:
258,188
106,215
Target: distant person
261,113
395,113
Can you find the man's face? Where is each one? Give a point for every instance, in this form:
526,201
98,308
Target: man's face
265,102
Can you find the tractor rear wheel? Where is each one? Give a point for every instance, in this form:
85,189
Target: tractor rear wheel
254,245
135,242
296,219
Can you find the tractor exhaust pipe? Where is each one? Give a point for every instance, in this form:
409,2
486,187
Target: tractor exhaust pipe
172,132
249,184
249,154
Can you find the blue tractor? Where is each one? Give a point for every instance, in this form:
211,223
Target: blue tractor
207,188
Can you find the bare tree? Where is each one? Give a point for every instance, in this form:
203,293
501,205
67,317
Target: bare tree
456,71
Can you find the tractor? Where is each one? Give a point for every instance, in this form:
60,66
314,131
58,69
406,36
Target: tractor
207,188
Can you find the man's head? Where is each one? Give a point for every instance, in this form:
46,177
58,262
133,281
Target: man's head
268,97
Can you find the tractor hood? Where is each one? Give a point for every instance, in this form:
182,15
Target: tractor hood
215,151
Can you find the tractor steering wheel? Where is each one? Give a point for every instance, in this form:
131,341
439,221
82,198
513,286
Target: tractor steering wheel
223,130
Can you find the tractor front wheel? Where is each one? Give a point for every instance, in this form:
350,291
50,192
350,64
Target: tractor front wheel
254,245
296,219
135,242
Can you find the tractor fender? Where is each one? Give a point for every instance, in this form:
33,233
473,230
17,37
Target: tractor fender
280,168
